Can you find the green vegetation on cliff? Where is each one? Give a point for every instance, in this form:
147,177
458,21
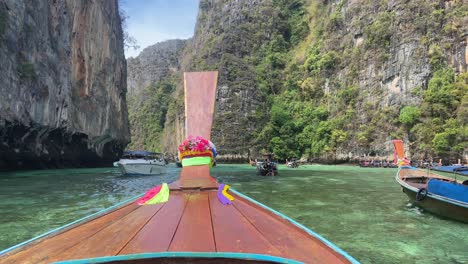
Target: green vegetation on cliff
329,80
147,115
320,105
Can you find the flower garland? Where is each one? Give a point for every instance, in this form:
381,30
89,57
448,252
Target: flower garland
201,151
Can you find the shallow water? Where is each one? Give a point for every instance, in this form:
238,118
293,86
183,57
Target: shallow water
362,210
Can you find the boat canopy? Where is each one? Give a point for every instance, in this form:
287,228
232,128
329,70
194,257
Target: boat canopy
140,153
463,170
450,190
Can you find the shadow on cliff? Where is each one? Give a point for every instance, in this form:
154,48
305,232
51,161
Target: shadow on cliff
39,147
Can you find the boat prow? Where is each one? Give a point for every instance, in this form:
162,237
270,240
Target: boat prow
193,226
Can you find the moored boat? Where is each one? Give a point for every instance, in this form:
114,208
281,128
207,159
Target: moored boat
195,225
435,193
267,167
457,169
134,163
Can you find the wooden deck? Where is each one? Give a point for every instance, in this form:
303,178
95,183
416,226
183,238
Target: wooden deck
191,221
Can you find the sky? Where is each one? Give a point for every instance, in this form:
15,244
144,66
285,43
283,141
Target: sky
152,21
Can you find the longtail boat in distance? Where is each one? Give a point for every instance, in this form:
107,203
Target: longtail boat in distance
198,220
435,193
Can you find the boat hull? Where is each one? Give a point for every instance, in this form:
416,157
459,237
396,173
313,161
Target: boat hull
267,171
141,169
191,221
413,181
438,207
186,257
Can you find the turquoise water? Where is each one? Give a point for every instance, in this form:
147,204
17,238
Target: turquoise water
362,210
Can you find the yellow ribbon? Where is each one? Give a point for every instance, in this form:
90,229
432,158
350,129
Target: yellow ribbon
225,189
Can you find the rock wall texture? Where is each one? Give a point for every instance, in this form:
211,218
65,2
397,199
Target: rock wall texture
153,64
228,36
62,84
323,79
397,42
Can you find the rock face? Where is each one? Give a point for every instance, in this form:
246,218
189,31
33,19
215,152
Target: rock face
396,64
63,84
151,78
340,71
227,34
153,64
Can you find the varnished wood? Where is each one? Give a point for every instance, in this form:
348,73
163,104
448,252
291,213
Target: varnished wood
200,92
234,233
55,244
195,232
110,240
191,221
292,242
197,177
158,233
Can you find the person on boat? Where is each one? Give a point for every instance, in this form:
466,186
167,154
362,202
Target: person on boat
267,164
384,164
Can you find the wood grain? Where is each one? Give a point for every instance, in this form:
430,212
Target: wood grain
195,231
44,251
234,233
194,177
110,240
157,234
200,93
293,242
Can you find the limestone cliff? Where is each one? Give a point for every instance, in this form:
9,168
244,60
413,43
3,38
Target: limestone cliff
153,64
397,46
228,37
63,84
152,77
330,80
392,52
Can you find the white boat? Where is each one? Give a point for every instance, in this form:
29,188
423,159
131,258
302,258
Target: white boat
142,163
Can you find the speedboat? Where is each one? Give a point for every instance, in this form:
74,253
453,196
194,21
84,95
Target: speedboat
142,163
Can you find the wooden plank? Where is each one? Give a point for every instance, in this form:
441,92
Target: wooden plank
234,233
174,186
110,240
293,242
193,177
200,94
195,172
195,231
158,232
43,251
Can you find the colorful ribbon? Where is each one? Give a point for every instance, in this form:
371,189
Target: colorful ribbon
223,196
195,150
196,161
158,194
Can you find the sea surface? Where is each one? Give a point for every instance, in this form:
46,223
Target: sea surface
362,210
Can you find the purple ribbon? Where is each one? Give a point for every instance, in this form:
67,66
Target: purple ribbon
223,199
